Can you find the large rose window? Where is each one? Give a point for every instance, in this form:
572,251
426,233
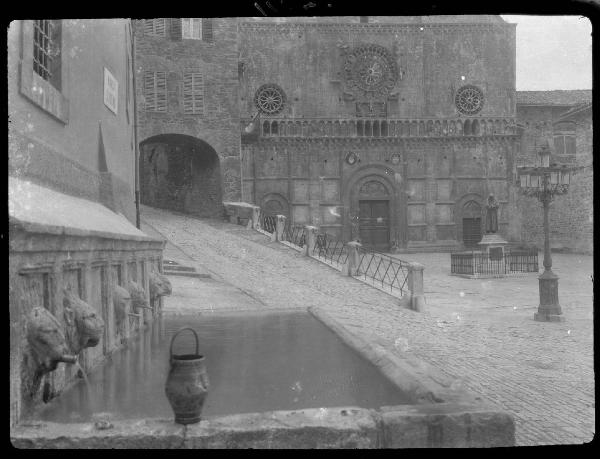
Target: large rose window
370,71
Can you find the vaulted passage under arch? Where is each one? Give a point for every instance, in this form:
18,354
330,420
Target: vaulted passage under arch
182,173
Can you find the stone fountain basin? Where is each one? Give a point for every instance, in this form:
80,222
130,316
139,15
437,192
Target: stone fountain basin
442,416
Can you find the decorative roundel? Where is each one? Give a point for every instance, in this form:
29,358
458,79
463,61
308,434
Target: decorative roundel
370,68
351,158
469,100
270,98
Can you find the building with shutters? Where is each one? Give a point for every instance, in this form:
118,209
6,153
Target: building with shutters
187,88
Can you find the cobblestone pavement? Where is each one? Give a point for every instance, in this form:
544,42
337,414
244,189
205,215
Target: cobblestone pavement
480,332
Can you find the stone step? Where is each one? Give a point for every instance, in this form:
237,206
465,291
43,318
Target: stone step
179,268
168,272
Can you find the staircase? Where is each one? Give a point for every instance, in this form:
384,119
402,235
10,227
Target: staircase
172,268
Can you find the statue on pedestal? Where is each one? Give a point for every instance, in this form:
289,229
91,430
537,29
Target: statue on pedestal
491,217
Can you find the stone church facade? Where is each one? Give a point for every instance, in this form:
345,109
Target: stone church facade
391,132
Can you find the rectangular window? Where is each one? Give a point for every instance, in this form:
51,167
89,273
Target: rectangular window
155,91
47,50
155,27
111,91
193,93
207,29
559,144
191,28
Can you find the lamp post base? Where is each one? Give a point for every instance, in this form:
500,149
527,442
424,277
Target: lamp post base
549,309
541,317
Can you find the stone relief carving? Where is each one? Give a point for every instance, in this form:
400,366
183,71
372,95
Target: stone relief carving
121,303
159,285
373,189
84,326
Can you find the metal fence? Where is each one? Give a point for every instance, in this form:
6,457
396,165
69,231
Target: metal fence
383,271
294,234
480,263
330,249
267,223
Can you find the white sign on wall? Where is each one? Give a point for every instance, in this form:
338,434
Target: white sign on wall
111,91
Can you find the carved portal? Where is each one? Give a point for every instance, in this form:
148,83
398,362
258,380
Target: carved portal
373,189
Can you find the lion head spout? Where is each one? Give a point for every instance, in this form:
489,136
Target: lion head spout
84,325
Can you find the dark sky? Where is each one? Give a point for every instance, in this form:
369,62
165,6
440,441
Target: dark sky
553,52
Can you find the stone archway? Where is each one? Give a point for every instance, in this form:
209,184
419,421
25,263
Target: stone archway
182,173
368,195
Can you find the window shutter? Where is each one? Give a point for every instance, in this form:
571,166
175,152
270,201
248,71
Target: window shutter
155,27
193,93
155,91
207,29
176,31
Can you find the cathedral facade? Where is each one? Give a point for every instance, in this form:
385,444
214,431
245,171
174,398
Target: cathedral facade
394,132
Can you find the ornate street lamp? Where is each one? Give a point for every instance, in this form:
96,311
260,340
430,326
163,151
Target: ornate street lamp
544,182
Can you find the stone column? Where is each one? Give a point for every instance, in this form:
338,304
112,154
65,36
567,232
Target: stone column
351,266
279,226
311,238
414,298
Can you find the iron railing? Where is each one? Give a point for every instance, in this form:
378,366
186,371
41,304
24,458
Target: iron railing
294,234
330,249
378,268
480,263
267,223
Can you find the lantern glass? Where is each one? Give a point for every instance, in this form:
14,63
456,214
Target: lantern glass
554,178
565,177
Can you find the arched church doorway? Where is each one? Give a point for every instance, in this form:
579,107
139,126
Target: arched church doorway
181,173
471,224
374,214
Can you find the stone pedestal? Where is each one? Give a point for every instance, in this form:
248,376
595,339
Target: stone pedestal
311,237
549,309
279,227
493,244
351,266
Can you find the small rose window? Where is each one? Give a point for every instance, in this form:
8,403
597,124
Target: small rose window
469,100
270,99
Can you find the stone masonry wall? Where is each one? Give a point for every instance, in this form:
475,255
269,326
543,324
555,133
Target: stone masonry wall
217,60
571,215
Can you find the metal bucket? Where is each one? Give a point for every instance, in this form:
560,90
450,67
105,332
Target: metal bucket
187,383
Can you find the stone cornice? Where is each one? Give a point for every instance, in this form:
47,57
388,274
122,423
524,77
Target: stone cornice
371,27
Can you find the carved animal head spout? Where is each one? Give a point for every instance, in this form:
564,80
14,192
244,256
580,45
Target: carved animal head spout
84,325
138,296
47,340
121,303
159,285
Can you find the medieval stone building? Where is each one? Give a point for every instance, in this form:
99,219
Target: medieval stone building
392,130
561,120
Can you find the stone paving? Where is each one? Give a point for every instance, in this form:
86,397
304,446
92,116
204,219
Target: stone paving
480,332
